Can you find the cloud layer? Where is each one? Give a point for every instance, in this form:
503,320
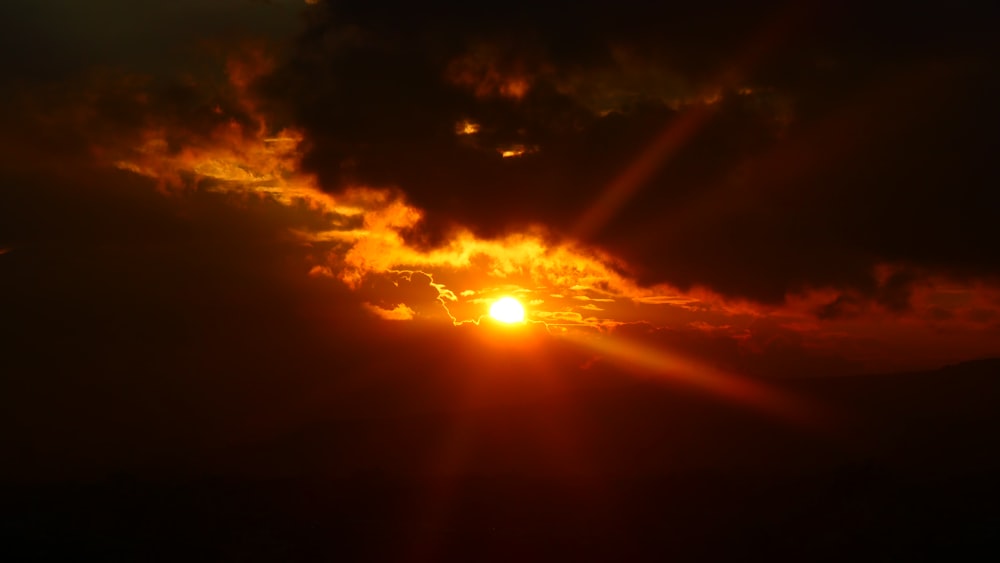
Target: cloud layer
755,152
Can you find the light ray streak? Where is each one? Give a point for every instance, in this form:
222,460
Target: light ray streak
664,364
628,183
676,134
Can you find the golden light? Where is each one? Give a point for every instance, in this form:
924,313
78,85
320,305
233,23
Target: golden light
507,310
511,152
466,127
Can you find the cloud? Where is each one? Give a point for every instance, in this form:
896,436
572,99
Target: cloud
780,153
400,313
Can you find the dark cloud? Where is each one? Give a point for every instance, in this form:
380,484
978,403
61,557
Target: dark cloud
810,143
143,329
53,40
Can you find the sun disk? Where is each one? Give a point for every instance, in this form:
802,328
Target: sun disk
507,310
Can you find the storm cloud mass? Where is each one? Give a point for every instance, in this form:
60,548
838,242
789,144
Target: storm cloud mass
755,150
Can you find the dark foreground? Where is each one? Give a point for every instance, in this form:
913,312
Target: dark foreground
912,475
858,513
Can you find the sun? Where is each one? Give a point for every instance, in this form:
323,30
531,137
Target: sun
507,310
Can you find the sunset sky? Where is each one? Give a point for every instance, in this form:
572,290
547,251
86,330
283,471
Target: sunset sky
221,219
289,280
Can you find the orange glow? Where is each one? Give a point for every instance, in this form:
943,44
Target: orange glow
363,237
466,127
507,310
511,152
359,235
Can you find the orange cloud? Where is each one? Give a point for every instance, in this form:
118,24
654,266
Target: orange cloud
400,313
487,73
361,237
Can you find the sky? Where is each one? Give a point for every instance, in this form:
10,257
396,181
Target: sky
224,219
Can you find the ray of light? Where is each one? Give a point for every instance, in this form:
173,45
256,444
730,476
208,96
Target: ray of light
546,440
665,145
661,363
628,183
